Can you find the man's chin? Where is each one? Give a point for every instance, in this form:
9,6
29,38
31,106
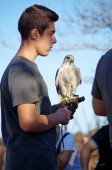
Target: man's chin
44,55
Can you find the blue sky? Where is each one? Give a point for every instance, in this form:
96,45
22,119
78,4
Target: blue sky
85,59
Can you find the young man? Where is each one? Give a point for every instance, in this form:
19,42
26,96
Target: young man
100,140
28,122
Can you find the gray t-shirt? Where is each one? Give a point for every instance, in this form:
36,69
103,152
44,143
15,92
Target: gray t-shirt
22,83
102,85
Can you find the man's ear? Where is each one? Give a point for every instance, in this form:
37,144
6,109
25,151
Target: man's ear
34,33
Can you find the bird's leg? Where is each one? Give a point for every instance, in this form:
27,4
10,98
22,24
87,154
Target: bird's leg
74,95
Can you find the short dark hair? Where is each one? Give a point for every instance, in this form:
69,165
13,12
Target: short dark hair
36,16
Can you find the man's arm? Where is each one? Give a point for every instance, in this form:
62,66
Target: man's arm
31,122
98,107
85,153
2,151
63,159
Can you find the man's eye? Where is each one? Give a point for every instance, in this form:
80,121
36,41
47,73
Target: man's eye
50,35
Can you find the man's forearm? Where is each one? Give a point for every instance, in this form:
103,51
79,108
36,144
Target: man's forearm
85,157
85,153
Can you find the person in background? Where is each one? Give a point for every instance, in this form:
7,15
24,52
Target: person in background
67,152
102,89
99,141
28,121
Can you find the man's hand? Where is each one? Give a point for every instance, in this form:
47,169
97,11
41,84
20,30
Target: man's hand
72,103
63,115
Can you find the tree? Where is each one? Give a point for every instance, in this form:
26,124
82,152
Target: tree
90,23
0,97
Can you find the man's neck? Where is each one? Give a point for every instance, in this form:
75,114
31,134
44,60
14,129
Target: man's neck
28,51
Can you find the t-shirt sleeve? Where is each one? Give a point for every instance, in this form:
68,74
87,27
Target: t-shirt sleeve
95,88
93,141
96,91
69,143
22,86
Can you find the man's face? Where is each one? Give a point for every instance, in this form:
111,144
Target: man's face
46,41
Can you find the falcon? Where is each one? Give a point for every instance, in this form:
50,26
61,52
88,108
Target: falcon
67,78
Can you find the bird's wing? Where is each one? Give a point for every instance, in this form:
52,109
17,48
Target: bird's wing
60,81
57,80
78,76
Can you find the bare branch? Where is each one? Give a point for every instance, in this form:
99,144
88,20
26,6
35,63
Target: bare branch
90,26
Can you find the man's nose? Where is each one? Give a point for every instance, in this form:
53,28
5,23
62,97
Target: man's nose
54,40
